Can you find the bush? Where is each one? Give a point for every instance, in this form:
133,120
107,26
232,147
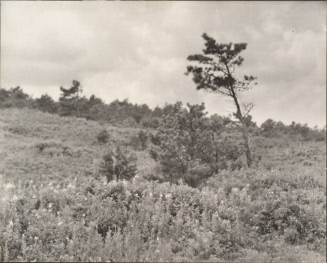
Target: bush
118,165
103,137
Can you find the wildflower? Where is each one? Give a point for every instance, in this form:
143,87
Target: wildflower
9,186
50,205
36,238
60,223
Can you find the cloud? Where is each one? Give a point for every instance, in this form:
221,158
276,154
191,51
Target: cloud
138,50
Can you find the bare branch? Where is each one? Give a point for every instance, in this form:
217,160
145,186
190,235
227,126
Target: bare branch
248,107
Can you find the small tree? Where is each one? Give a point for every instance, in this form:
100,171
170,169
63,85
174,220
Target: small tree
69,100
215,73
118,165
191,146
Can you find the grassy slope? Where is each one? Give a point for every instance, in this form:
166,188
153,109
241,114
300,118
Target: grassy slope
72,145
68,159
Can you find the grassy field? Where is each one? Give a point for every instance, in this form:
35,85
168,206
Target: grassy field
54,207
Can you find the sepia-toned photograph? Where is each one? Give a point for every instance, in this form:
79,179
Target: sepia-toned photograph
163,131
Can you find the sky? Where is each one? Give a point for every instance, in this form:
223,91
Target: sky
138,50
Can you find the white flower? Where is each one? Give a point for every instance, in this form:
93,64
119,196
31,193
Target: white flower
9,186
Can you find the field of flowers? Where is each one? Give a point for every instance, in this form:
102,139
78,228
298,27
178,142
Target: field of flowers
55,208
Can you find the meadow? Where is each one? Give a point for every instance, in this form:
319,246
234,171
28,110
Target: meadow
55,206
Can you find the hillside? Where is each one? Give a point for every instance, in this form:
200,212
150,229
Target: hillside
55,205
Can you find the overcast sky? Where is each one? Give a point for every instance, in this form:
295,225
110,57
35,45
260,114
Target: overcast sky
138,50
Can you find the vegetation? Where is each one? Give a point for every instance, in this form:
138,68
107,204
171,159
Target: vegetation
217,75
54,207
82,180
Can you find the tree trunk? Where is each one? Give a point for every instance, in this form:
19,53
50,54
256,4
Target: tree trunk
246,145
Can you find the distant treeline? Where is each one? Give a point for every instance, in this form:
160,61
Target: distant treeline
72,102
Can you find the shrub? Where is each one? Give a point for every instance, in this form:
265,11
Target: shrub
118,165
103,137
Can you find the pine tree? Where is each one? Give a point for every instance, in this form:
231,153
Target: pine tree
214,72
69,100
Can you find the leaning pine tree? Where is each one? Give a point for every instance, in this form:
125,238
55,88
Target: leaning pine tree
214,72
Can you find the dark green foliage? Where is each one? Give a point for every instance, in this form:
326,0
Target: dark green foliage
15,97
107,167
139,142
271,129
69,101
103,137
46,103
117,165
192,146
